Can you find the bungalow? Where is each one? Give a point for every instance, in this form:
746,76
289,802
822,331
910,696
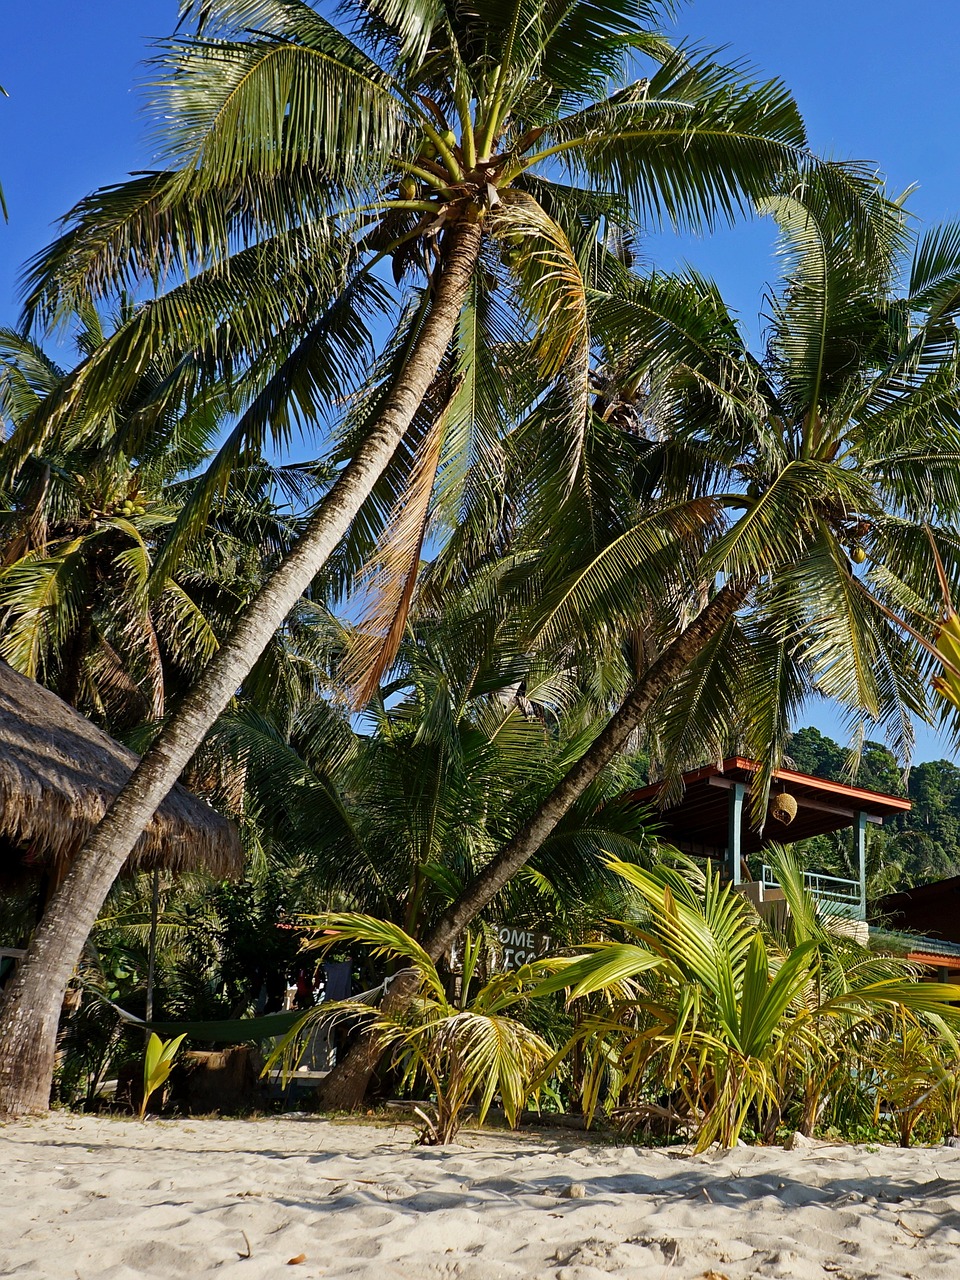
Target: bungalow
711,817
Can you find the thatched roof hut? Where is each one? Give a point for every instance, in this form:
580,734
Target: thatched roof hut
58,773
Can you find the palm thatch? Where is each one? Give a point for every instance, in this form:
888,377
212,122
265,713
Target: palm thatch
59,772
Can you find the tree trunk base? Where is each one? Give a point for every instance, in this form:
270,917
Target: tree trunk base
26,1069
346,1086
15,1110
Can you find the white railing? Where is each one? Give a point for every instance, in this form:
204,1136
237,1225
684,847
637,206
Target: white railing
843,894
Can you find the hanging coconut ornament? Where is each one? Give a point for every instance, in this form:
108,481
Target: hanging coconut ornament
784,808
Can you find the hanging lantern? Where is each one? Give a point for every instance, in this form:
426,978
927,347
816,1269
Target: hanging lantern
783,808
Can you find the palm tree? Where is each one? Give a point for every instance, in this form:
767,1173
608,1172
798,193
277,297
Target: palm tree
779,535
78,539
469,1047
84,609
778,543
393,817
815,473
299,159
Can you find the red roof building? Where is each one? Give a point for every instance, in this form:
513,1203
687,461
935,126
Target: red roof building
928,917
712,818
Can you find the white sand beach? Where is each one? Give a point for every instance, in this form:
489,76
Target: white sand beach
90,1198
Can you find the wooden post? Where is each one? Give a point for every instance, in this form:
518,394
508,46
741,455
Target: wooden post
734,822
860,836
152,946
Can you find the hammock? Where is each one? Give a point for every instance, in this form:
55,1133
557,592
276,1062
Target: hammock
243,1030
224,1031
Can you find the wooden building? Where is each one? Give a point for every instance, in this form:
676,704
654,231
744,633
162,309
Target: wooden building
711,818
926,922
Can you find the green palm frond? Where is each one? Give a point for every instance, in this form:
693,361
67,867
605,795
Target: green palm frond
259,108
381,936
40,601
934,284
618,142
551,289
468,1052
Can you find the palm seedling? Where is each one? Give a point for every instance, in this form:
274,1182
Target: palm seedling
157,1065
470,1049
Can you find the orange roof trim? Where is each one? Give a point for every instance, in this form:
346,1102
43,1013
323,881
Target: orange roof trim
858,797
933,959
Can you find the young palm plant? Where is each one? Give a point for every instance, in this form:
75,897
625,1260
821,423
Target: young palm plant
470,1049
298,159
707,1017
705,1001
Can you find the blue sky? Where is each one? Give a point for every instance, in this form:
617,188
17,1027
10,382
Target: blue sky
876,80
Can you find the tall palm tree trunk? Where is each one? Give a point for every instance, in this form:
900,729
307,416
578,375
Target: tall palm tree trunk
31,1005
346,1084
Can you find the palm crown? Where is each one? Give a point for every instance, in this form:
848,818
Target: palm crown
299,158
812,476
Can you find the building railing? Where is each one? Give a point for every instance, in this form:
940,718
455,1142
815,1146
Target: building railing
843,895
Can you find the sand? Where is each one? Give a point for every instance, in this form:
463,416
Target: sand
91,1198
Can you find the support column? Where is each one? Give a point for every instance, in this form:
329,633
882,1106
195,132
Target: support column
734,823
860,837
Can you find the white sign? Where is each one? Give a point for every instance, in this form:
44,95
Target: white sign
519,946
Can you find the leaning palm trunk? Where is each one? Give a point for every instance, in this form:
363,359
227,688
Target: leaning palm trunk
31,1006
346,1084
609,742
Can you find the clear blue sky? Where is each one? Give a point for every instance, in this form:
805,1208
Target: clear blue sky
876,79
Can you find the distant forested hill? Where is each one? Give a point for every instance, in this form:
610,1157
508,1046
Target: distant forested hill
908,850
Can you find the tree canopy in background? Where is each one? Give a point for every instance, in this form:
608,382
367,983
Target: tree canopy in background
909,849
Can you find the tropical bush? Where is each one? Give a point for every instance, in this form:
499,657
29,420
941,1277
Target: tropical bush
694,1009
705,1012
470,1047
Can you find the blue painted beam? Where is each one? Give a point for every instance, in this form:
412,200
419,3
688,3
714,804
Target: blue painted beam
860,847
734,826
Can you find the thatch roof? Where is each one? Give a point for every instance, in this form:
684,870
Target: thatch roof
58,773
